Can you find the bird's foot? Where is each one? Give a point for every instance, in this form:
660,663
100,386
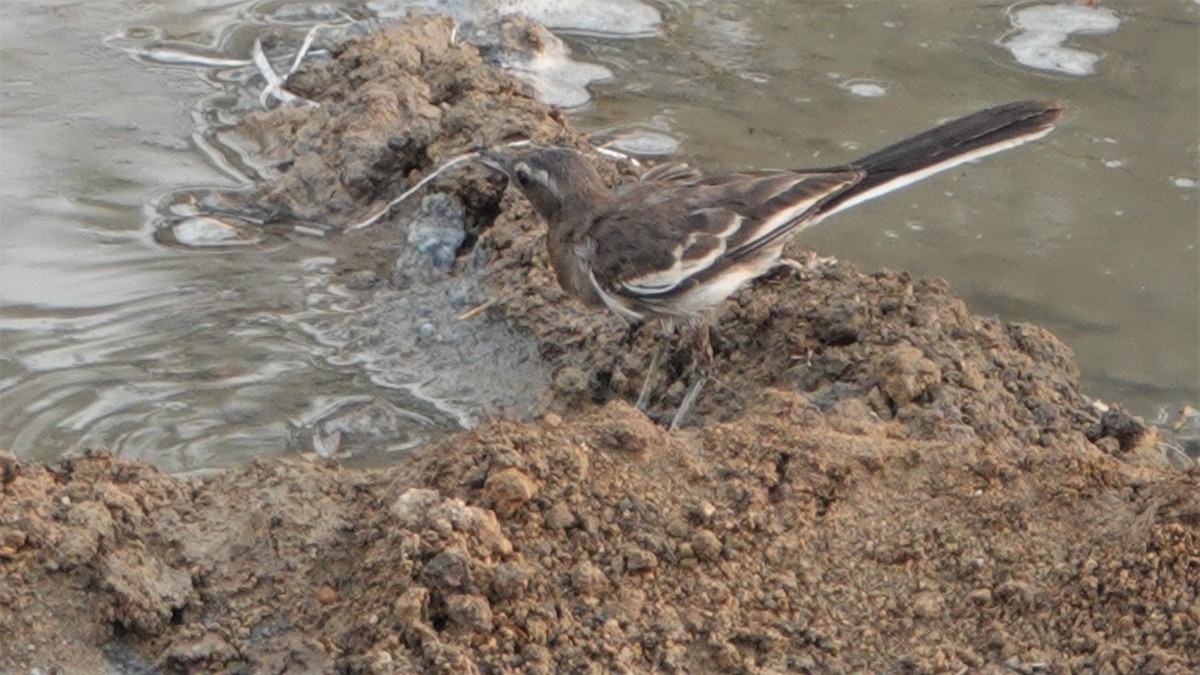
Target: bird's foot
652,375
702,357
699,377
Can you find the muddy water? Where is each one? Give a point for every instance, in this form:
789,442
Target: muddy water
189,358
205,356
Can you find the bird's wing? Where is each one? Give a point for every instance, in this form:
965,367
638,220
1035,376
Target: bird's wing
661,237
774,203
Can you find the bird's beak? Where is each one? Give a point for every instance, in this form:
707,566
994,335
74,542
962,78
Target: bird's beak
496,160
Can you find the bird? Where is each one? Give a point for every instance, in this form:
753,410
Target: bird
676,243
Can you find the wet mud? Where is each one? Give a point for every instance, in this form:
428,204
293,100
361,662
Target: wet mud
874,480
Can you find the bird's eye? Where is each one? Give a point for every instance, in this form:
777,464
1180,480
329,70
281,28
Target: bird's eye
525,174
524,177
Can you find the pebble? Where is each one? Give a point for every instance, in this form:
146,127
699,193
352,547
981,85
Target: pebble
571,380
508,490
450,569
706,545
926,605
408,607
559,517
470,613
361,280
587,579
980,596
510,580
533,653
437,230
637,560
677,527
327,595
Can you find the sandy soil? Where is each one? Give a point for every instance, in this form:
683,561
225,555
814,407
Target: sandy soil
877,481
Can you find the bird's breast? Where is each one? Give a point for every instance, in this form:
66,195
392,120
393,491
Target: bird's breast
572,267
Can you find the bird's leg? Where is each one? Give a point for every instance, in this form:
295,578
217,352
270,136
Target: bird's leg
631,333
702,357
665,346
651,373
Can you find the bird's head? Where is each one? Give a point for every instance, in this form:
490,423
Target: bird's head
552,179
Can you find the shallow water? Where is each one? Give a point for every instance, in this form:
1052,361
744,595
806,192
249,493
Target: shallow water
192,359
202,358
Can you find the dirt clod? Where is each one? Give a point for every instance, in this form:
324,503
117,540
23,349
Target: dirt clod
508,490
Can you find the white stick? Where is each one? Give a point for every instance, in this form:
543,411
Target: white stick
274,86
308,40
407,193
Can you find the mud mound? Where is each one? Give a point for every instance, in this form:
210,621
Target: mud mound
773,543
390,105
877,480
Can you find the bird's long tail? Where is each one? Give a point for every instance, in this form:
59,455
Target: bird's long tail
962,140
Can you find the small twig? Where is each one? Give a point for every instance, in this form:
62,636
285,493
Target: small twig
309,231
407,193
616,154
476,310
308,40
